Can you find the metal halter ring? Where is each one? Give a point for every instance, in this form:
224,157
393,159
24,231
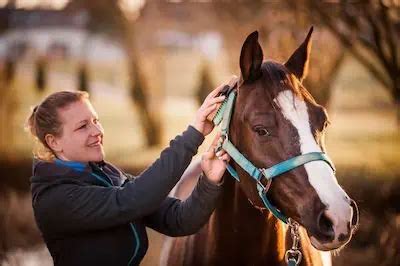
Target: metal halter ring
266,187
293,254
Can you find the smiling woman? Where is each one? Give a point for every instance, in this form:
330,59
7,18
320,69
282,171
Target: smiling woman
82,138
45,125
90,212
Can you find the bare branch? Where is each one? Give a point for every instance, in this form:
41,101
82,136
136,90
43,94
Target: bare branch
326,18
390,34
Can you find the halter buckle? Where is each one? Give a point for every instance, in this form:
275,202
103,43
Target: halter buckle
221,140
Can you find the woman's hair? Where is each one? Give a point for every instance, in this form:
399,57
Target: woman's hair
45,119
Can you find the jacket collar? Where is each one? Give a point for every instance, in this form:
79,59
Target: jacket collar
48,171
77,166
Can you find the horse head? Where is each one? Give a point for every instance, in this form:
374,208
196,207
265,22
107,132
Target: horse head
275,118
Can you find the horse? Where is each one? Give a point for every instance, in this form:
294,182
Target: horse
273,118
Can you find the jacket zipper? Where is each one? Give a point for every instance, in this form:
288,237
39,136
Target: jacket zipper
133,229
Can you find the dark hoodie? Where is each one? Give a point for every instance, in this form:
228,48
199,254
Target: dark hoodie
94,214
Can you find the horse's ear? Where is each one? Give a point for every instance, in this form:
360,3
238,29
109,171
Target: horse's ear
298,62
251,58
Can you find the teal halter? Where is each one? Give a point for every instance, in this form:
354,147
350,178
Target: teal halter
223,117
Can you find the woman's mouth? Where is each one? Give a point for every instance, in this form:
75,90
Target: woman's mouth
96,143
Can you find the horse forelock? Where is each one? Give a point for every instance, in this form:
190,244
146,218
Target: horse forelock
276,78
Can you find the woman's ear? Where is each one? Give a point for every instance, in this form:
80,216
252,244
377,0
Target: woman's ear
53,143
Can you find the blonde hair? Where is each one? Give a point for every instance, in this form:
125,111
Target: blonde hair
44,119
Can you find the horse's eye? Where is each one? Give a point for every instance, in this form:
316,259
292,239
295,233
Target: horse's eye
263,132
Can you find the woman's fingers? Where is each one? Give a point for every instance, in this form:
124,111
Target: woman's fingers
218,99
232,80
215,92
207,111
212,101
210,153
225,157
214,142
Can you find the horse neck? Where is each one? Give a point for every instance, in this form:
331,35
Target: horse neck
243,234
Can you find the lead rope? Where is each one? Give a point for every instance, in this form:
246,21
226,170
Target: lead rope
293,256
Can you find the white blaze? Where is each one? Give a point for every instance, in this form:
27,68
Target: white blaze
320,175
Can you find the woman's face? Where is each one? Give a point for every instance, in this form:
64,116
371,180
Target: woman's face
82,134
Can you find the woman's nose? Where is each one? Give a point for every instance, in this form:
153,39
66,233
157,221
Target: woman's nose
97,129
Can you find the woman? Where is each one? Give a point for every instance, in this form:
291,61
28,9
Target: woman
92,213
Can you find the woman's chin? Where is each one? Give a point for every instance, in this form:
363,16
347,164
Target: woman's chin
97,156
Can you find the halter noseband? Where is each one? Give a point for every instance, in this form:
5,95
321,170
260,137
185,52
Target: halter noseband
263,176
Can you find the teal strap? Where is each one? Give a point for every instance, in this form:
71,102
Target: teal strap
227,112
233,172
241,160
295,162
277,213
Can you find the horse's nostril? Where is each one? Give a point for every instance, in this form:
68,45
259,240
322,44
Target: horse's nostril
356,214
325,227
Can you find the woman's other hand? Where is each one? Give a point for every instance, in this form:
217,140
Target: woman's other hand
210,105
214,164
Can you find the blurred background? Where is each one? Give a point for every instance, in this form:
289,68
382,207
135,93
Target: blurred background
147,66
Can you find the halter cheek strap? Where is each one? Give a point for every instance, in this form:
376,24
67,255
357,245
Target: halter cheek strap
260,175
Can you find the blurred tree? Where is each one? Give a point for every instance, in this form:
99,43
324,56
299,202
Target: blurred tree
281,32
83,82
107,16
205,83
8,101
40,73
369,30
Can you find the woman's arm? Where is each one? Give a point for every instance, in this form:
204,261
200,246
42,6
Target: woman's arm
180,218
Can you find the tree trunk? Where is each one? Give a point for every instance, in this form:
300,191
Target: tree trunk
40,74
396,97
148,120
8,105
83,80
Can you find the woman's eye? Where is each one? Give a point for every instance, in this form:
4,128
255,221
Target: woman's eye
81,127
262,132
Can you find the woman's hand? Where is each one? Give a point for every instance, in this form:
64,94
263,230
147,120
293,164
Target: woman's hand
214,164
210,105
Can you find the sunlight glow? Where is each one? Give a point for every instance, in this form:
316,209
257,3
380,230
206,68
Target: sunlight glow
3,3
131,7
53,4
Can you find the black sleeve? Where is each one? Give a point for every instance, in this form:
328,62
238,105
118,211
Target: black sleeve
73,207
180,218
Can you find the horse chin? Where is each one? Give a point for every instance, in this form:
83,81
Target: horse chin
331,246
